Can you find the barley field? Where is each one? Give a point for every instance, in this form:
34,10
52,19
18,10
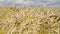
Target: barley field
29,20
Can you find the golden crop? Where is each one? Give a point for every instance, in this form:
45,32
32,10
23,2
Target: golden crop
29,20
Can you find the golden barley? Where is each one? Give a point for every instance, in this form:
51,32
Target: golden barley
29,20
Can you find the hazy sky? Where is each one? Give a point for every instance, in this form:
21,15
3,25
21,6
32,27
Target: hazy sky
30,2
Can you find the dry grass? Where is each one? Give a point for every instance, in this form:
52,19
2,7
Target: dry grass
29,20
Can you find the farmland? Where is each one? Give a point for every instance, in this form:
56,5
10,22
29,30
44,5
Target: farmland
29,20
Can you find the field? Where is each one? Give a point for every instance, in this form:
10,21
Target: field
29,20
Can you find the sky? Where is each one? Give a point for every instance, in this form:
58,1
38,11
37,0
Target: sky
30,2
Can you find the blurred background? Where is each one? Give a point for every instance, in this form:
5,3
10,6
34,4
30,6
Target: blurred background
50,3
